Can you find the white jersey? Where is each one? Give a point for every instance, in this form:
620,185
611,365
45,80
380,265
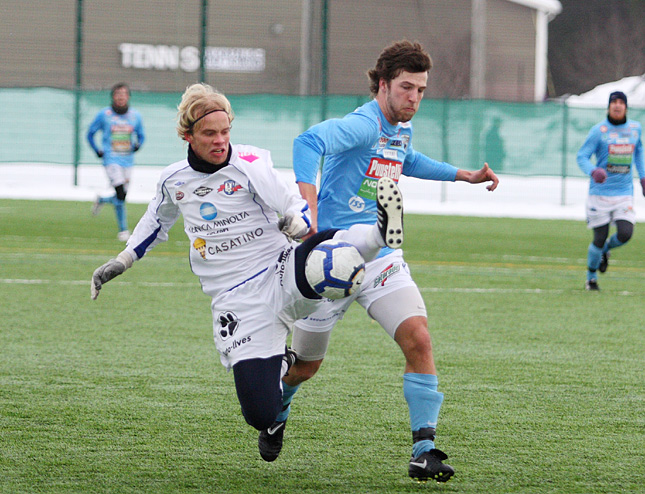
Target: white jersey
230,217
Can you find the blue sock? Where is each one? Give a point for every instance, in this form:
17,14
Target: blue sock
119,208
594,256
287,396
424,402
613,243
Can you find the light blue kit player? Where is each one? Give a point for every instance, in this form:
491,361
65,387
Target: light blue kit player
616,142
123,135
372,142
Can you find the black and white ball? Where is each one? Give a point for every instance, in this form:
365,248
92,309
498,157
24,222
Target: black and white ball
335,269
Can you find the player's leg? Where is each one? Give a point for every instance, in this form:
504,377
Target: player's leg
119,178
388,229
625,220
257,383
407,324
598,220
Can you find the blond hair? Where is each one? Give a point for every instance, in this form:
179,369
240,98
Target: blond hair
197,101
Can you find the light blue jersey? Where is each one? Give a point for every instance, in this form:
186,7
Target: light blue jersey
618,148
118,131
359,149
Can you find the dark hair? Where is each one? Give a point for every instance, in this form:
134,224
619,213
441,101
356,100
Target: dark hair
119,85
398,57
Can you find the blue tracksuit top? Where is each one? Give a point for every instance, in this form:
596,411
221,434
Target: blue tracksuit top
118,132
359,149
617,148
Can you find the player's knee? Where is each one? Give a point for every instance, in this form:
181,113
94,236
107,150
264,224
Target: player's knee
304,370
120,192
413,338
625,233
259,417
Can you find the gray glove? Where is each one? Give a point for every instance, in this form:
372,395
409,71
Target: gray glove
109,270
292,226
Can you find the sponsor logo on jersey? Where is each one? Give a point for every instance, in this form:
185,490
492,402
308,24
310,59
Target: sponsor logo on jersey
223,222
282,263
229,323
386,273
356,204
250,157
200,246
391,154
234,243
620,157
396,143
208,211
382,142
378,168
202,191
229,187
603,128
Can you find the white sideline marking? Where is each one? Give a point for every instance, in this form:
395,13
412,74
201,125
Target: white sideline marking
506,290
17,281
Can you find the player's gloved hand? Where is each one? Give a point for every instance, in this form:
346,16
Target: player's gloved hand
292,226
643,185
109,270
99,153
599,175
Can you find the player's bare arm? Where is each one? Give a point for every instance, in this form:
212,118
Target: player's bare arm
310,194
485,174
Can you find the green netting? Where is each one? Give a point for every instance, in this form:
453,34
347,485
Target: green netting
515,138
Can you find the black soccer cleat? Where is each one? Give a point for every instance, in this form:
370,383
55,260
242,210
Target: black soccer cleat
270,441
389,210
592,286
604,262
430,466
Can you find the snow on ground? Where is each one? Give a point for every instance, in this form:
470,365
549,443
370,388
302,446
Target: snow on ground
516,197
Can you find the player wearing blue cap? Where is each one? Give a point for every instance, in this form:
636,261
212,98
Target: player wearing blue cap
616,142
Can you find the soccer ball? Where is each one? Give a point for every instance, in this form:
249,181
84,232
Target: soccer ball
334,269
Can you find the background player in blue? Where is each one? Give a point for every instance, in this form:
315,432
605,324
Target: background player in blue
616,142
375,141
123,135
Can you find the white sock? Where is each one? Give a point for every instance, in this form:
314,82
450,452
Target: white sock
366,238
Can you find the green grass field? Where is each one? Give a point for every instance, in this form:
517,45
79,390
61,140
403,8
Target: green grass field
543,381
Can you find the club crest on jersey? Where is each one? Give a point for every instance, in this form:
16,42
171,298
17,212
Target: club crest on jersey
386,273
202,191
179,195
229,187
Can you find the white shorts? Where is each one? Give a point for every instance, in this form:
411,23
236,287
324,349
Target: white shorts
603,210
388,276
254,319
118,175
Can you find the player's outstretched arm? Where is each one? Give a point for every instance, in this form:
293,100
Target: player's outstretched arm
485,174
109,270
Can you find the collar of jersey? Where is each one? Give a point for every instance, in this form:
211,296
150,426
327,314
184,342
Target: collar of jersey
200,165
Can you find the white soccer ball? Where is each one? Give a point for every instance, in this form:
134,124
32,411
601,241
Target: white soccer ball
335,269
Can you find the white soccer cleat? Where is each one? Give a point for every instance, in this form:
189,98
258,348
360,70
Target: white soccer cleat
389,209
123,235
